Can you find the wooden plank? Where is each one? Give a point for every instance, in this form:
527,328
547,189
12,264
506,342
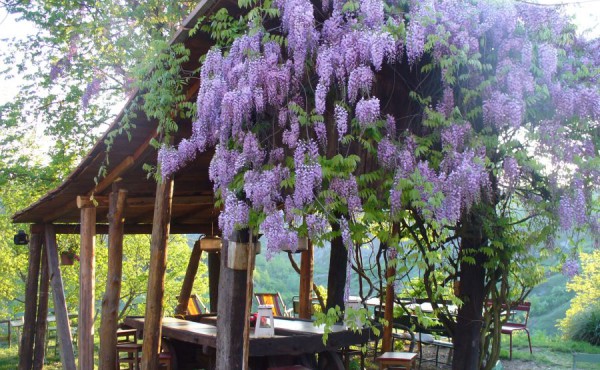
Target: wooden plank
42,315
306,282
87,279
156,278
33,274
188,280
230,315
214,268
110,303
134,229
63,327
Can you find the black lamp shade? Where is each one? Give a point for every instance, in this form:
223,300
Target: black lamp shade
21,238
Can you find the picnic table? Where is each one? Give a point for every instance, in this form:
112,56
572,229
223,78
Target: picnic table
295,340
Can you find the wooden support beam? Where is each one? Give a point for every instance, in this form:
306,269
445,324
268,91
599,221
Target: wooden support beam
114,174
63,327
42,315
33,275
231,315
110,304
87,279
214,269
145,202
156,277
388,313
306,282
336,279
188,280
249,293
102,229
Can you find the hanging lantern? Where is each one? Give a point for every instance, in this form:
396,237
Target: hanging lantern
21,238
210,244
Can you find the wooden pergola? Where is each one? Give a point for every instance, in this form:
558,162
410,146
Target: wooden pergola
125,201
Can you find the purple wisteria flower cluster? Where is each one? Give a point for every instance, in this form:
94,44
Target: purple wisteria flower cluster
271,111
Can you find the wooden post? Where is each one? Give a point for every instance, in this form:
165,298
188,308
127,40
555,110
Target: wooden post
26,349
230,315
214,268
388,314
306,282
42,315
156,278
336,278
188,281
87,279
249,291
110,304
63,327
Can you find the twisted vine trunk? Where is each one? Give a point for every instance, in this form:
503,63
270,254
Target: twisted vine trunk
467,338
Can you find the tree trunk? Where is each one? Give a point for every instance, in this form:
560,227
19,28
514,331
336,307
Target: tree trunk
26,348
156,278
63,327
336,279
188,281
214,270
42,315
87,280
114,275
467,337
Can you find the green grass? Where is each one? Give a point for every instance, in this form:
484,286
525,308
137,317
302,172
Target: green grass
548,351
9,359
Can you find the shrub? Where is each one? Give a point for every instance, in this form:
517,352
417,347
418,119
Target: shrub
583,317
585,326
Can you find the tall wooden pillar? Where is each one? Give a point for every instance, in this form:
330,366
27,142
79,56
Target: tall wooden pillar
156,278
42,315
110,303
306,282
26,348
188,281
63,327
231,313
87,279
214,270
388,314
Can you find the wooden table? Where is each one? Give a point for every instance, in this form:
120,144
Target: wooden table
293,337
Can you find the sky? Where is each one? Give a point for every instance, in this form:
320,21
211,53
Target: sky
586,12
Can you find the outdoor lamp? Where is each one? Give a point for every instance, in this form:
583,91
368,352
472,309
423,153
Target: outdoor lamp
21,238
210,244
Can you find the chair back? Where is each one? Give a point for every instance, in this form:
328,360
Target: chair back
273,299
195,306
519,313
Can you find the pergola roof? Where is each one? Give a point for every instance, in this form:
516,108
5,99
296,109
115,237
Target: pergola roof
192,210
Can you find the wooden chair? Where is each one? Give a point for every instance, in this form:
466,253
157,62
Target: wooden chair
275,300
195,306
520,309
406,360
